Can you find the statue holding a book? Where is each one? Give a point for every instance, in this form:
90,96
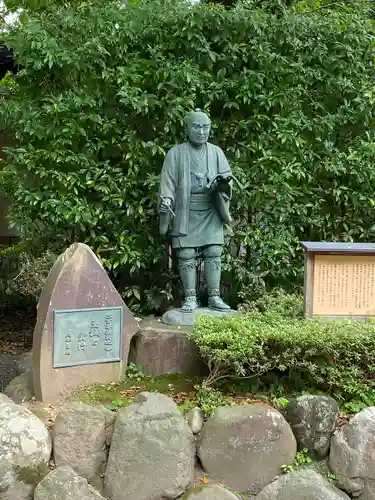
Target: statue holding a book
195,192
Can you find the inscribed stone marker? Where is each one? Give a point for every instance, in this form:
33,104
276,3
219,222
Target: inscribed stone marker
83,330
339,279
85,336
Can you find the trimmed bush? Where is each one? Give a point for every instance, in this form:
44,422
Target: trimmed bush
102,96
334,356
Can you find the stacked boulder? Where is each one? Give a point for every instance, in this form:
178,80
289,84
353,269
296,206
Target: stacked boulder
245,446
25,451
150,451
352,456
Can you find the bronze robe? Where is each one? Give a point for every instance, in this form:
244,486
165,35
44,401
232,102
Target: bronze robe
197,222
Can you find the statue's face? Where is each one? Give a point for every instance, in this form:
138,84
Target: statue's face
199,129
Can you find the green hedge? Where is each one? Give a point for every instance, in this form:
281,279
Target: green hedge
277,348
103,94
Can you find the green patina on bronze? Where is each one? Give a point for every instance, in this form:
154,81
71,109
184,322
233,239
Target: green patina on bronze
195,193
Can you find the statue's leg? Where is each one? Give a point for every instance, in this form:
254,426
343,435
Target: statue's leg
188,273
212,273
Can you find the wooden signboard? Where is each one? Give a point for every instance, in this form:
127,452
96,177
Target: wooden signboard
339,279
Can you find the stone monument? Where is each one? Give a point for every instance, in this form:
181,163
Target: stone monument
195,192
83,330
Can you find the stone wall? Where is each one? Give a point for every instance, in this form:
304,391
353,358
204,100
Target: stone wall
150,451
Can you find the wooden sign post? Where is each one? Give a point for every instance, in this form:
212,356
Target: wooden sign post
339,279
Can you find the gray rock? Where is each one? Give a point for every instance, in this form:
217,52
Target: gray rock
313,420
304,484
81,439
18,491
368,492
24,362
352,456
158,349
212,492
8,369
25,451
195,419
152,451
64,484
177,317
5,399
245,446
20,389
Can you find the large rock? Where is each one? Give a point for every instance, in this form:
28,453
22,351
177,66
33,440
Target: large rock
5,399
8,369
352,456
313,420
24,362
81,439
368,492
159,349
244,447
25,450
78,281
20,389
195,419
64,484
11,366
212,492
304,484
152,451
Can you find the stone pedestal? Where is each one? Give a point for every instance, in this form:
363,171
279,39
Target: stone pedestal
159,349
177,317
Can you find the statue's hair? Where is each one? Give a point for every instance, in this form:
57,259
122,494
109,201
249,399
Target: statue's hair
192,114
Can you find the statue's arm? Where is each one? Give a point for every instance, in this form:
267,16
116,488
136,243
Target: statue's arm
168,180
224,167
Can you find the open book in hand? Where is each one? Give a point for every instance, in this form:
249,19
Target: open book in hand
220,184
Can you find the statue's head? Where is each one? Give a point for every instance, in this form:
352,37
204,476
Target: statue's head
198,127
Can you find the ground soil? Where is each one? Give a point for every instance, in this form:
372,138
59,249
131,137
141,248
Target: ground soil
16,330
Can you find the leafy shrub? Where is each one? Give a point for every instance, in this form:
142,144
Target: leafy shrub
132,373
25,287
208,399
337,356
8,181
301,460
102,97
287,304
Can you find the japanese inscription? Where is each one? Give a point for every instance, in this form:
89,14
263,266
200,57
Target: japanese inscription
87,336
344,285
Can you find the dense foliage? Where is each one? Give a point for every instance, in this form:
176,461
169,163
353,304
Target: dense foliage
280,350
103,94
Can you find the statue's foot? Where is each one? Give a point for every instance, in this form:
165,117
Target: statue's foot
216,302
190,303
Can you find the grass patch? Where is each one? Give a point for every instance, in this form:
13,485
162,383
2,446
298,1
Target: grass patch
187,393
116,395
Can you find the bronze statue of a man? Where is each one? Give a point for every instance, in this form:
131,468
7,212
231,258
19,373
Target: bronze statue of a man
195,190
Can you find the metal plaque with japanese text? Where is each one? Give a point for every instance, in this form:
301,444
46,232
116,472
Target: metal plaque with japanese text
87,336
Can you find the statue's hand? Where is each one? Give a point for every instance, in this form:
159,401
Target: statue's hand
165,205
